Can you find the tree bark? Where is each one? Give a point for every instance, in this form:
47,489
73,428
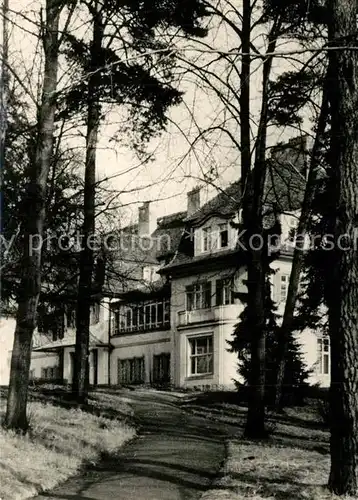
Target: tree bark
4,83
343,300
34,217
84,298
245,95
258,263
298,254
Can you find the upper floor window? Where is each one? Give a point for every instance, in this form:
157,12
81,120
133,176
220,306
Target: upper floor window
223,235
224,292
284,280
95,312
149,315
150,273
71,318
198,296
292,235
323,355
207,239
215,237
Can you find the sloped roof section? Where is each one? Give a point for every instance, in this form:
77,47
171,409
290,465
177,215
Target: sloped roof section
286,175
225,204
284,190
69,341
168,234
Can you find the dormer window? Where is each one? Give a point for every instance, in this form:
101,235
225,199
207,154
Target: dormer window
207,239
223,235
150,273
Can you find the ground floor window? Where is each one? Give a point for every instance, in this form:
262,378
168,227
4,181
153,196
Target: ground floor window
201,355
50,373
323,356
161,368
131,371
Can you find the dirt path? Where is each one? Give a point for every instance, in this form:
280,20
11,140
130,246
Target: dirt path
176,456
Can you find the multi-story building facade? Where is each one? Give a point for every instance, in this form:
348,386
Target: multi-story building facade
171,301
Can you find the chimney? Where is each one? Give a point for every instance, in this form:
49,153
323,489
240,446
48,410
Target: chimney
193,201
143,219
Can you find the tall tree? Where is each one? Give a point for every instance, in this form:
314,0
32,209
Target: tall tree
80,379
144,84
288,323
343,300
32,227
4,80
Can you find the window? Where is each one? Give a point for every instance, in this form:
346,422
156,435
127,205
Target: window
129,317
198,296
323,356
201,355
131,371
149,273
161,368
71,318
95,313
223,235
283,287
160,312
292,235
49,373
149,315
224,292
207,239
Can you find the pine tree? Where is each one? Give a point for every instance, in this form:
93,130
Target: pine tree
296,374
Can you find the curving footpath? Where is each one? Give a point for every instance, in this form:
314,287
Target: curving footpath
175,456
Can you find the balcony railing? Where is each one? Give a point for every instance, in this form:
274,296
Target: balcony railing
212,314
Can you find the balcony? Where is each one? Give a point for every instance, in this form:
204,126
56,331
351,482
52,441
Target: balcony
210,315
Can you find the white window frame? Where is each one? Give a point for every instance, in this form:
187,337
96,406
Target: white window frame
227,292
207,239
323,352
143,310
96,313
192,340
222,227
284,280
198,292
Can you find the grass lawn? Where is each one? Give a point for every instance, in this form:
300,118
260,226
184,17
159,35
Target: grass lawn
292,465
61,442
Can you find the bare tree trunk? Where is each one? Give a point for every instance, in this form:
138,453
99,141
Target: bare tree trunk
34,217
245,95
298,255
84,298
4,82
344,285
257,265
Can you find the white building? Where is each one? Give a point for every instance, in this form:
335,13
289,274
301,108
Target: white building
170,319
